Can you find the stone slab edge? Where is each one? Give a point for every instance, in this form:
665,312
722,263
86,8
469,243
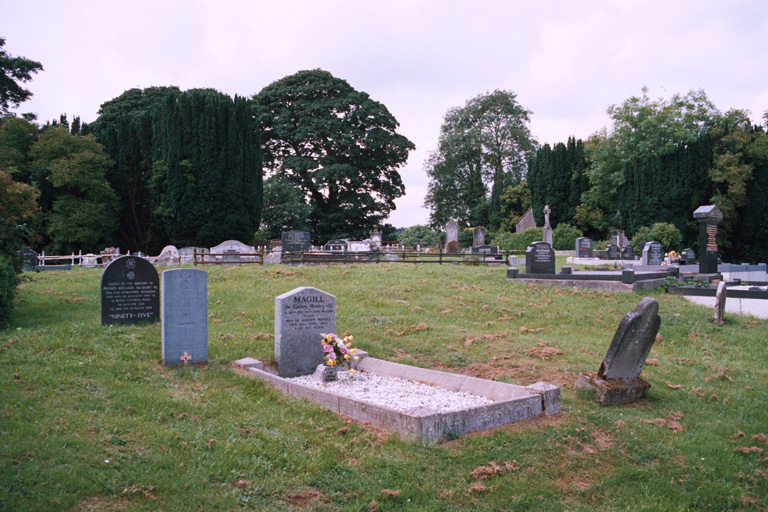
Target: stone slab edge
612,286
424,424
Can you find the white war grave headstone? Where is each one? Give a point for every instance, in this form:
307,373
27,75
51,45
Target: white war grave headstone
185,317
302,317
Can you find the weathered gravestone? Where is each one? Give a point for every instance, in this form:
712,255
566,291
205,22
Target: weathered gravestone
688,257
336,245
232,251
169,256
130,292
187,254
29,259
453,247
540,258
302,317
451,232
546,231
720,296
653,253
295,241
478,236
612,251
584,247
618,379
185,317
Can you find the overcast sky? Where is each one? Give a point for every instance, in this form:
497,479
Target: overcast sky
567,61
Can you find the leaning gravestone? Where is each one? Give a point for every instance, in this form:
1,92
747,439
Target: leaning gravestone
130,292
302,317
185,317
295,241
584,247
653,253
618,379
722,293
540,258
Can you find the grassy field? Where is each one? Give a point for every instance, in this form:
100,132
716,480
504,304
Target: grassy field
90,419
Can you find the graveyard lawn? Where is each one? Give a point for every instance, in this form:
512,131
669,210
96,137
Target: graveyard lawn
91,420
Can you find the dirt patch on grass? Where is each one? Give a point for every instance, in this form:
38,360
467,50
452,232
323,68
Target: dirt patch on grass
303,498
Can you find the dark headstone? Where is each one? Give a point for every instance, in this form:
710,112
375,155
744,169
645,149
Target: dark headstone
485,249
708,218
295,241
566,270
584,247
302,317
627,253
336,245
612,251
653,253
185,317
130,292
540,258
632,342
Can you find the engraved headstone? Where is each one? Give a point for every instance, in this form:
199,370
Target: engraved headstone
687,257
653,253
612,251
295,241
302,316
722,293
130,292
627,253
632,342
336,245
185,317
584,247
540,258
485,249
708,218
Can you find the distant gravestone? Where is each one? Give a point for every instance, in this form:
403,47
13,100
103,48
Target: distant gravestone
546,231
720,297
302,316
231,251
540,258
708,217
485,249
451,232
29,259
169,256
187,254
688,257
336,245
375,235
584,247
453,247
612,251
653,253
185,317
618,379
478,236
295,241
130,292
627,253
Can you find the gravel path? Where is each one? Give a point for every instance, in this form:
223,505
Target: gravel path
401,395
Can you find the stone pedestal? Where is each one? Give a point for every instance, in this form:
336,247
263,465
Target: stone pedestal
708,218
613,391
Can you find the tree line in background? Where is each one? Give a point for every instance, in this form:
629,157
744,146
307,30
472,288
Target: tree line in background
660,161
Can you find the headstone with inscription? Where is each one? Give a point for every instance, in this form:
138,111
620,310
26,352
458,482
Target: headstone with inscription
130,292
295,241
336,245
688,257
653,253
540,258
627,253
302,317
612,251
708,218
584,247
485,249
185,317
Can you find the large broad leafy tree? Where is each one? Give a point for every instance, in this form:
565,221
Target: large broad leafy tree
338,146
14,71
484,147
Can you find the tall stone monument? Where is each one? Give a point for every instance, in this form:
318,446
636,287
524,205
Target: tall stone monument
547,230
708,217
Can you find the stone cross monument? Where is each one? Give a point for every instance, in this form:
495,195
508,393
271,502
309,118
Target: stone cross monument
547,230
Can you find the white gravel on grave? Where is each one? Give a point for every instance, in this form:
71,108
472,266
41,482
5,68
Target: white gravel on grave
399,394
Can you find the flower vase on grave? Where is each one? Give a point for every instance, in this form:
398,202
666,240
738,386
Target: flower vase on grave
326,373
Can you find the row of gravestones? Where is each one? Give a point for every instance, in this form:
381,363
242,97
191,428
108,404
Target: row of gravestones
540,256
653,252
130,293
478,240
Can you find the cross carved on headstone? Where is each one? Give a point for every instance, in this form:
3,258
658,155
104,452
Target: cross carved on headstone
547,211
186,358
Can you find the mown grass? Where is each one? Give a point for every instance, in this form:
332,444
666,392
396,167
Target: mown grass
90,419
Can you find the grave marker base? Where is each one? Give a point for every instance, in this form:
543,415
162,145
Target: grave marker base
613,391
